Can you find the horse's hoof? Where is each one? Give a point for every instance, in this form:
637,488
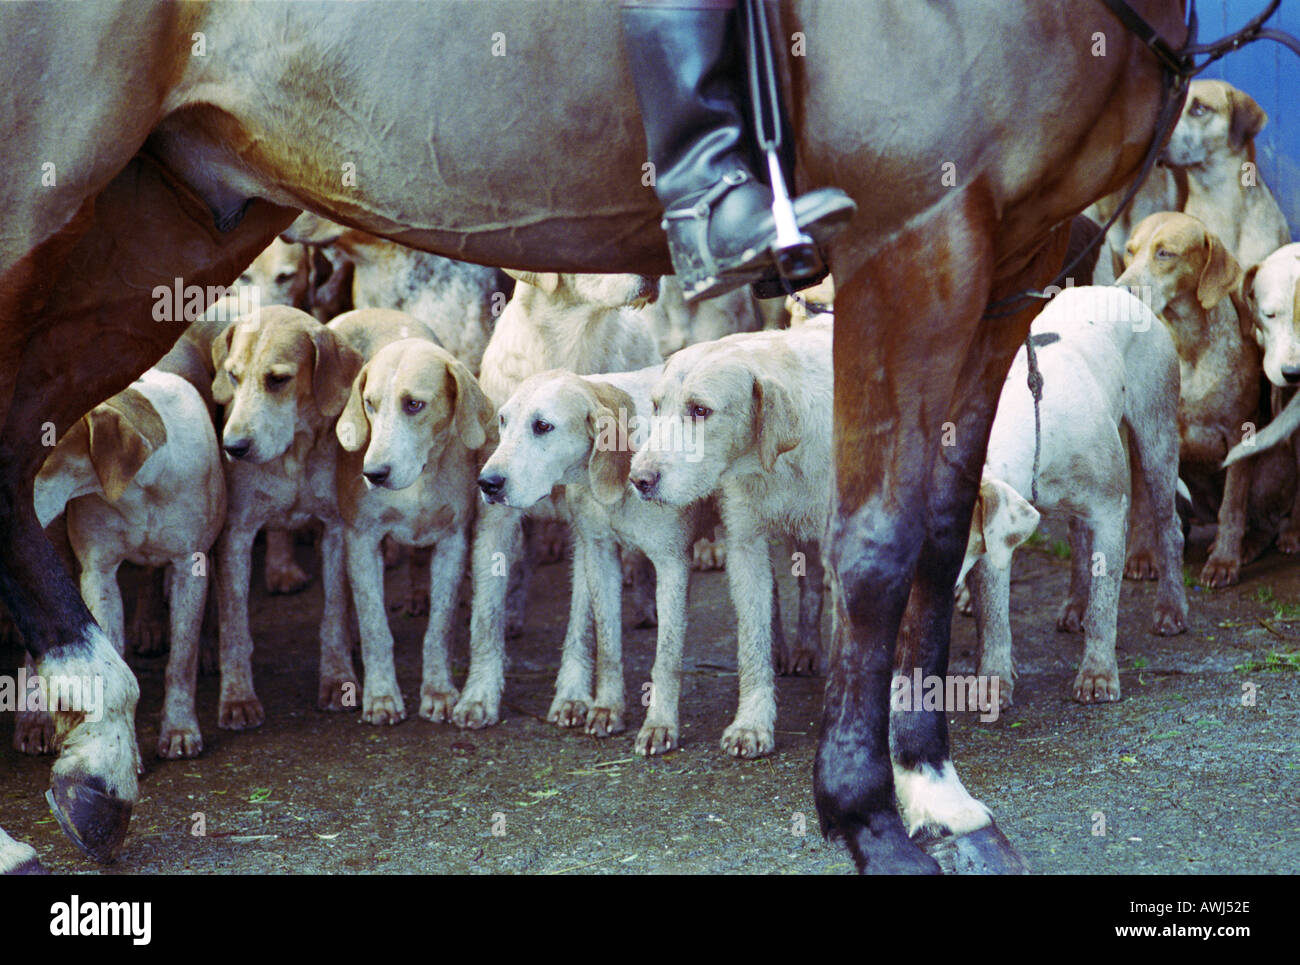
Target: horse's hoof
985,851
95,821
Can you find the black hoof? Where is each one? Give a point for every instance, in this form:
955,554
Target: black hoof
94,820
983,852
887,850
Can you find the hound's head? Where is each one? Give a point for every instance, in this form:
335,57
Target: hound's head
1003,520
558,428
279,372
1218,122
716,406
411,400
604,291
102,453
1172,258
1272,295
281,274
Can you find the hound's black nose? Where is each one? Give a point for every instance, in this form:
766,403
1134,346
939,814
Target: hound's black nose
239,448
377,476
645,481
1291,373
492,485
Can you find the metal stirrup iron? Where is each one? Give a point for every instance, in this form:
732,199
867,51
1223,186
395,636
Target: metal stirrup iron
794,252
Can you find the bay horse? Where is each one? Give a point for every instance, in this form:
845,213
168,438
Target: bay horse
153,144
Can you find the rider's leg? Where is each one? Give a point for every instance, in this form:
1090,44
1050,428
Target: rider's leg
684,56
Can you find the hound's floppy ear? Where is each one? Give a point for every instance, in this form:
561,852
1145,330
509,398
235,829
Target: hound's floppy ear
611,450
1220,275
1003,519
337,364
1248,118
223,390
353,427
474,413
124,432
547,281
776,421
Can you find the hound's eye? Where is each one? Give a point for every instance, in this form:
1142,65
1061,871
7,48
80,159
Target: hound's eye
503,421
1165,253
699,412
1197,109
1270,314
274,381
541,427
412,406
234,379
283,276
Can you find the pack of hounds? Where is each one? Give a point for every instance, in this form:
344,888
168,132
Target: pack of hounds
410,408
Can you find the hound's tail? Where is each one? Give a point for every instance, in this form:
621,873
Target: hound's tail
1279,430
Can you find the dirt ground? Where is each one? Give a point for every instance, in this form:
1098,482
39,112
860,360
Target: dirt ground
1178,777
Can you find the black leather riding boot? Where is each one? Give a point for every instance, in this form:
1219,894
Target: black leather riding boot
686,59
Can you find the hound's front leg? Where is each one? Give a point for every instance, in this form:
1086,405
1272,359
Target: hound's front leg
1223,568
596,558
437,693
338,679
497,544
381,701
239,708
573,684
659,733
180,736
749,572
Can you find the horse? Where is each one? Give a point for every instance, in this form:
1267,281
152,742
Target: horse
156,147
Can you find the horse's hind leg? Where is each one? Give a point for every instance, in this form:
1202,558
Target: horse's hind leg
85,335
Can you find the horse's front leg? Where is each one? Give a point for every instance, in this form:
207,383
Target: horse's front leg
937,809
906,338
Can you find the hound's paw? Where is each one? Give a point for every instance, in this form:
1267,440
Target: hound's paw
709,554
34,732
337,693
1097,685
740,740
176,742
1288,541
799,662
474,714
605,721
963,602
1168,621
1069,619
436,705
383,709
1220,571
240,714
1141,565
286,577
568,711
654,739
